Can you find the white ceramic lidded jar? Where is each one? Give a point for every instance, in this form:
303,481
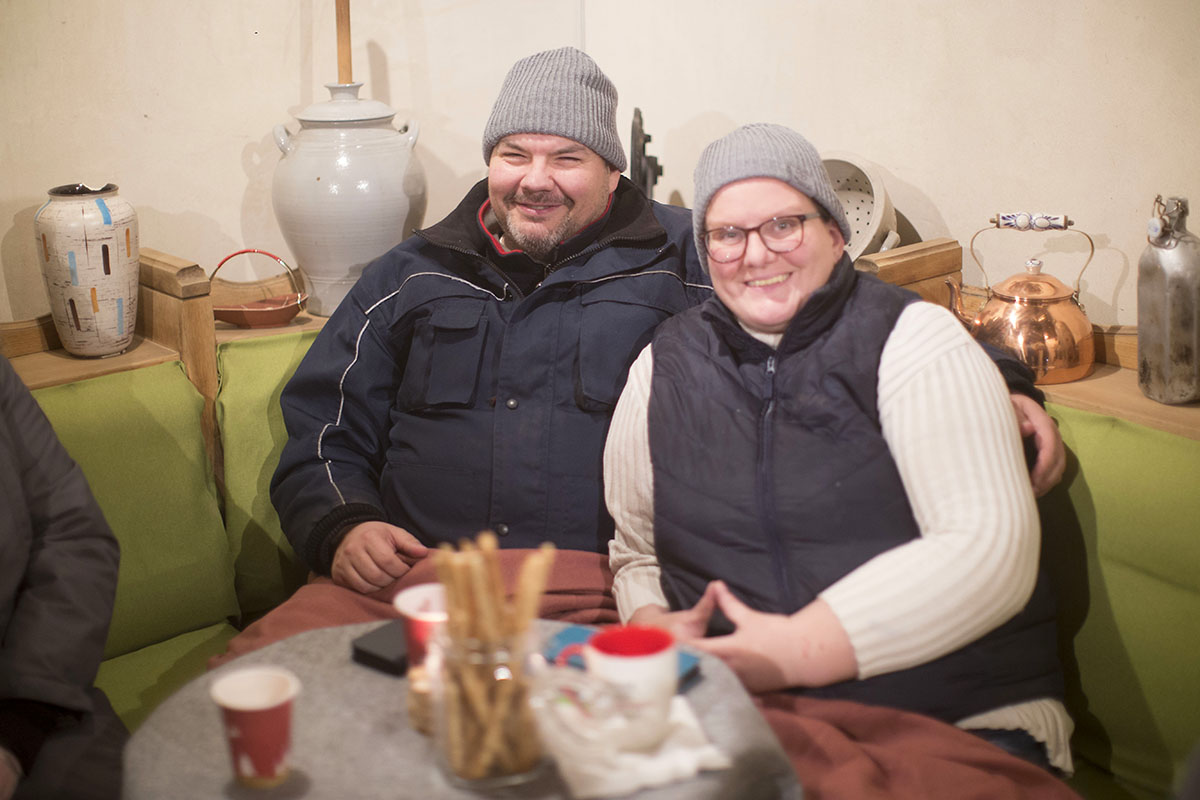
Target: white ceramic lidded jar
347,189
87,241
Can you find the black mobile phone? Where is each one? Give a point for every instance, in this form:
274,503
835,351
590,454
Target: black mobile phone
384,648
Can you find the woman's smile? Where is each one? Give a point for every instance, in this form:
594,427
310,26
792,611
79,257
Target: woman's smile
758,283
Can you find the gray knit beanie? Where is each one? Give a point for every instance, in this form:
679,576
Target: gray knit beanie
762,150
561,92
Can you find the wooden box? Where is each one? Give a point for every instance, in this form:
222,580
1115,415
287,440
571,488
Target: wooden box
923,267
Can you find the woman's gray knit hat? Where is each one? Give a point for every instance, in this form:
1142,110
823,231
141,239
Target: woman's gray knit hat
762,150
561,92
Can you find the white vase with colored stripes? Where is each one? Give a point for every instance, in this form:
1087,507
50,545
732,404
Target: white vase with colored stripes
87,242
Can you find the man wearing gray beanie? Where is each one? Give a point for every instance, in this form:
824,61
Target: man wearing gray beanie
467,380
553,154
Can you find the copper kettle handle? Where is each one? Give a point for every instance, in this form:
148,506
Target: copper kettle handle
1024,221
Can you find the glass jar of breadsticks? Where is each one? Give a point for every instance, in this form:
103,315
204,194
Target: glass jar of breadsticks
483,723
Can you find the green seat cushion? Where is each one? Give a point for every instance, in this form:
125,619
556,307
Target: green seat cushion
137,437
252,374
137,682
1093,783
1122,541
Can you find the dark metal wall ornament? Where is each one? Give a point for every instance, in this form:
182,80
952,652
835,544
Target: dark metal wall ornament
644,170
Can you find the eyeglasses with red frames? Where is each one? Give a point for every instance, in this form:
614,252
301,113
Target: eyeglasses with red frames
778,234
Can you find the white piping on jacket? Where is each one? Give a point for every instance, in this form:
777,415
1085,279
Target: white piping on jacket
367,321
357,341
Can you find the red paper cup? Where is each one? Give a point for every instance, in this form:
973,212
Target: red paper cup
423,609
256,706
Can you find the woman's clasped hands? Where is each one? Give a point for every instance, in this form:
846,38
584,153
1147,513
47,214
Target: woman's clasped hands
766,651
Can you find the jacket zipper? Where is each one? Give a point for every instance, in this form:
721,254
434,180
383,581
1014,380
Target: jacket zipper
765,467
592,248
595,246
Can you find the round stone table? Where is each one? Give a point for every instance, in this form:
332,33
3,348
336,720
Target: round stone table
351,737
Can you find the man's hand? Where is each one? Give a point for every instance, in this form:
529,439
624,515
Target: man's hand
1051,454
9,776
373,555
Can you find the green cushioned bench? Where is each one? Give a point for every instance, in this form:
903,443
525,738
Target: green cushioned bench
1121,538
252,375
196,563
137,437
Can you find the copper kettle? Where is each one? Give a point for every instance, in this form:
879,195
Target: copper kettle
1036,316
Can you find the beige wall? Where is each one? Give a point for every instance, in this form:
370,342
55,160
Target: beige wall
968,107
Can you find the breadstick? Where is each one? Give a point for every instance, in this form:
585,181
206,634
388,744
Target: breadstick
493,728
443,562
465,594
490,547
487,618
528,745
455,736
530,585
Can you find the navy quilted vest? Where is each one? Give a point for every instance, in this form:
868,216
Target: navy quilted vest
772,474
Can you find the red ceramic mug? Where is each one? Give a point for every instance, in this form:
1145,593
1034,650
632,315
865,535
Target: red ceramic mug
642,662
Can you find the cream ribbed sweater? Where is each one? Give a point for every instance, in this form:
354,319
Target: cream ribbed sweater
947,419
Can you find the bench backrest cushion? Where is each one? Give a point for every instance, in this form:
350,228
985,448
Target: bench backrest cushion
1121,537
252,374
137,437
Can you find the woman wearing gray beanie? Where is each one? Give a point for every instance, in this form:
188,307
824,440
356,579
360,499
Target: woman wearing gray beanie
787,474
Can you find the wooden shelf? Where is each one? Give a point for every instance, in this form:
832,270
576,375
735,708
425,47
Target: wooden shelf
1114,391
1112,388
52,367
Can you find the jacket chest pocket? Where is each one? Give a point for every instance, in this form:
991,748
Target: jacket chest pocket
617,321
444,357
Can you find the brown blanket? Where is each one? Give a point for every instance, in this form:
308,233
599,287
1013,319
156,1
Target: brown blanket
579,589
839,749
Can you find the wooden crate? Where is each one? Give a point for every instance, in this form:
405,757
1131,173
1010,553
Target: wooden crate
923,267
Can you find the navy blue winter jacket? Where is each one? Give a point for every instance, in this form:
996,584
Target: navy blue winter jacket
444,399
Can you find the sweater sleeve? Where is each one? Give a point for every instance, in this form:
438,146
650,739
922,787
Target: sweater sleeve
949,423
629,493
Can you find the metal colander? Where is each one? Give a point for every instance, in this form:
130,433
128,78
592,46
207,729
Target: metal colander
866,203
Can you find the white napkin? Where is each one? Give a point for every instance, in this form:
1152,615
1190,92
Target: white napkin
608,771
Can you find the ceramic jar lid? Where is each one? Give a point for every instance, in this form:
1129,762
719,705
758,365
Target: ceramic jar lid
345,106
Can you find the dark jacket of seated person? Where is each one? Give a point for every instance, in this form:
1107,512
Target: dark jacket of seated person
59,737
